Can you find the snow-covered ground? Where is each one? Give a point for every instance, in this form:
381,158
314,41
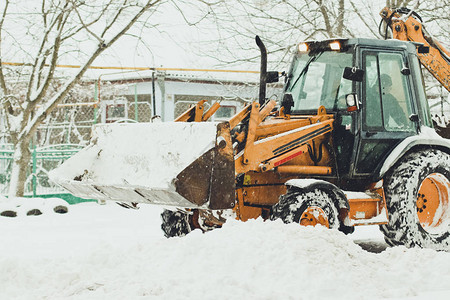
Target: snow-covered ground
108,252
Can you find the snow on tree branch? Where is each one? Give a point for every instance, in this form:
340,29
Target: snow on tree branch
51,31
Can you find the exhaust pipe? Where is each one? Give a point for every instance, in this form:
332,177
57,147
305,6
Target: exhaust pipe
263,71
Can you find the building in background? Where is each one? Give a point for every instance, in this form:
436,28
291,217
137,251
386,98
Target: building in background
118,98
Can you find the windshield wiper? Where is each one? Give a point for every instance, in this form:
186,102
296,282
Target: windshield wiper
305,68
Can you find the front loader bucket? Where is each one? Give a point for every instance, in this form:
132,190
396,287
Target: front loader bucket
179,164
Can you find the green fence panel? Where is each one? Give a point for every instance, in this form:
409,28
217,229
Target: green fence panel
69,198
43,160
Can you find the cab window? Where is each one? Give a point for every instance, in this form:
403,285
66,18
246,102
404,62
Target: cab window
316,79
387,104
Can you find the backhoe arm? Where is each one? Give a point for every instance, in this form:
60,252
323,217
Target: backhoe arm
407,26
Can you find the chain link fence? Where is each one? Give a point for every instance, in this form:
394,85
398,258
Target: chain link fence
72,123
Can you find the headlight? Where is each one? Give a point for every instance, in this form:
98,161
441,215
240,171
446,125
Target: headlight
335,46
351,100
303,47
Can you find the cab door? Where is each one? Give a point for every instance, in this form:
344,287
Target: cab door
386,108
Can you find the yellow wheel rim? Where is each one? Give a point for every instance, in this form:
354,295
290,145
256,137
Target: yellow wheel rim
433,200
314,215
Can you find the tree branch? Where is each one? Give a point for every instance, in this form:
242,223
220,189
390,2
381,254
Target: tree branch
45,110
86,26
2,75
42,88
363,19
41,55
118,13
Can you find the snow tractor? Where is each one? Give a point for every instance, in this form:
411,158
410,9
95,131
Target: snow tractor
351,143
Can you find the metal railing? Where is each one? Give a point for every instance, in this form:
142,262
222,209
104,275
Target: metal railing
43,160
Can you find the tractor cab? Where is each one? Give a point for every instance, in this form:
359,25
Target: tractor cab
316,77
369,86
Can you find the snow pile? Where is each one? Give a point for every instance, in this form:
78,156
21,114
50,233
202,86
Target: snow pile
142,154
107,252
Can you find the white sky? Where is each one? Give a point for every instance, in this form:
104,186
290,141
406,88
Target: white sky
167,46
173,43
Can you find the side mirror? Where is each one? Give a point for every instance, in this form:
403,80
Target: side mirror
423,49
353,74
287,103
405,71
414,117
272,76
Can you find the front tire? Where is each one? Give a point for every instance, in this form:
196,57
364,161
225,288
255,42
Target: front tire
417,197
175,223
307,208
181,222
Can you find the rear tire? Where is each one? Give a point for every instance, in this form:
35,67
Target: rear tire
61,209
307,208
417,197
175,223
8,213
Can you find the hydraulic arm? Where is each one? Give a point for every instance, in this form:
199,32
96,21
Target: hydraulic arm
406,25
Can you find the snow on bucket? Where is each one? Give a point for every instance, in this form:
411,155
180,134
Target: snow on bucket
175,163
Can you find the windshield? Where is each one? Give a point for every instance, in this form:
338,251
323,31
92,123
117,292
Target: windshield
316,80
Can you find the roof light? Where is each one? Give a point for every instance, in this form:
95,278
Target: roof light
303,47
335,46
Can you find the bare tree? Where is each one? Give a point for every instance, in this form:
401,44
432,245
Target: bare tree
40,34
283,23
